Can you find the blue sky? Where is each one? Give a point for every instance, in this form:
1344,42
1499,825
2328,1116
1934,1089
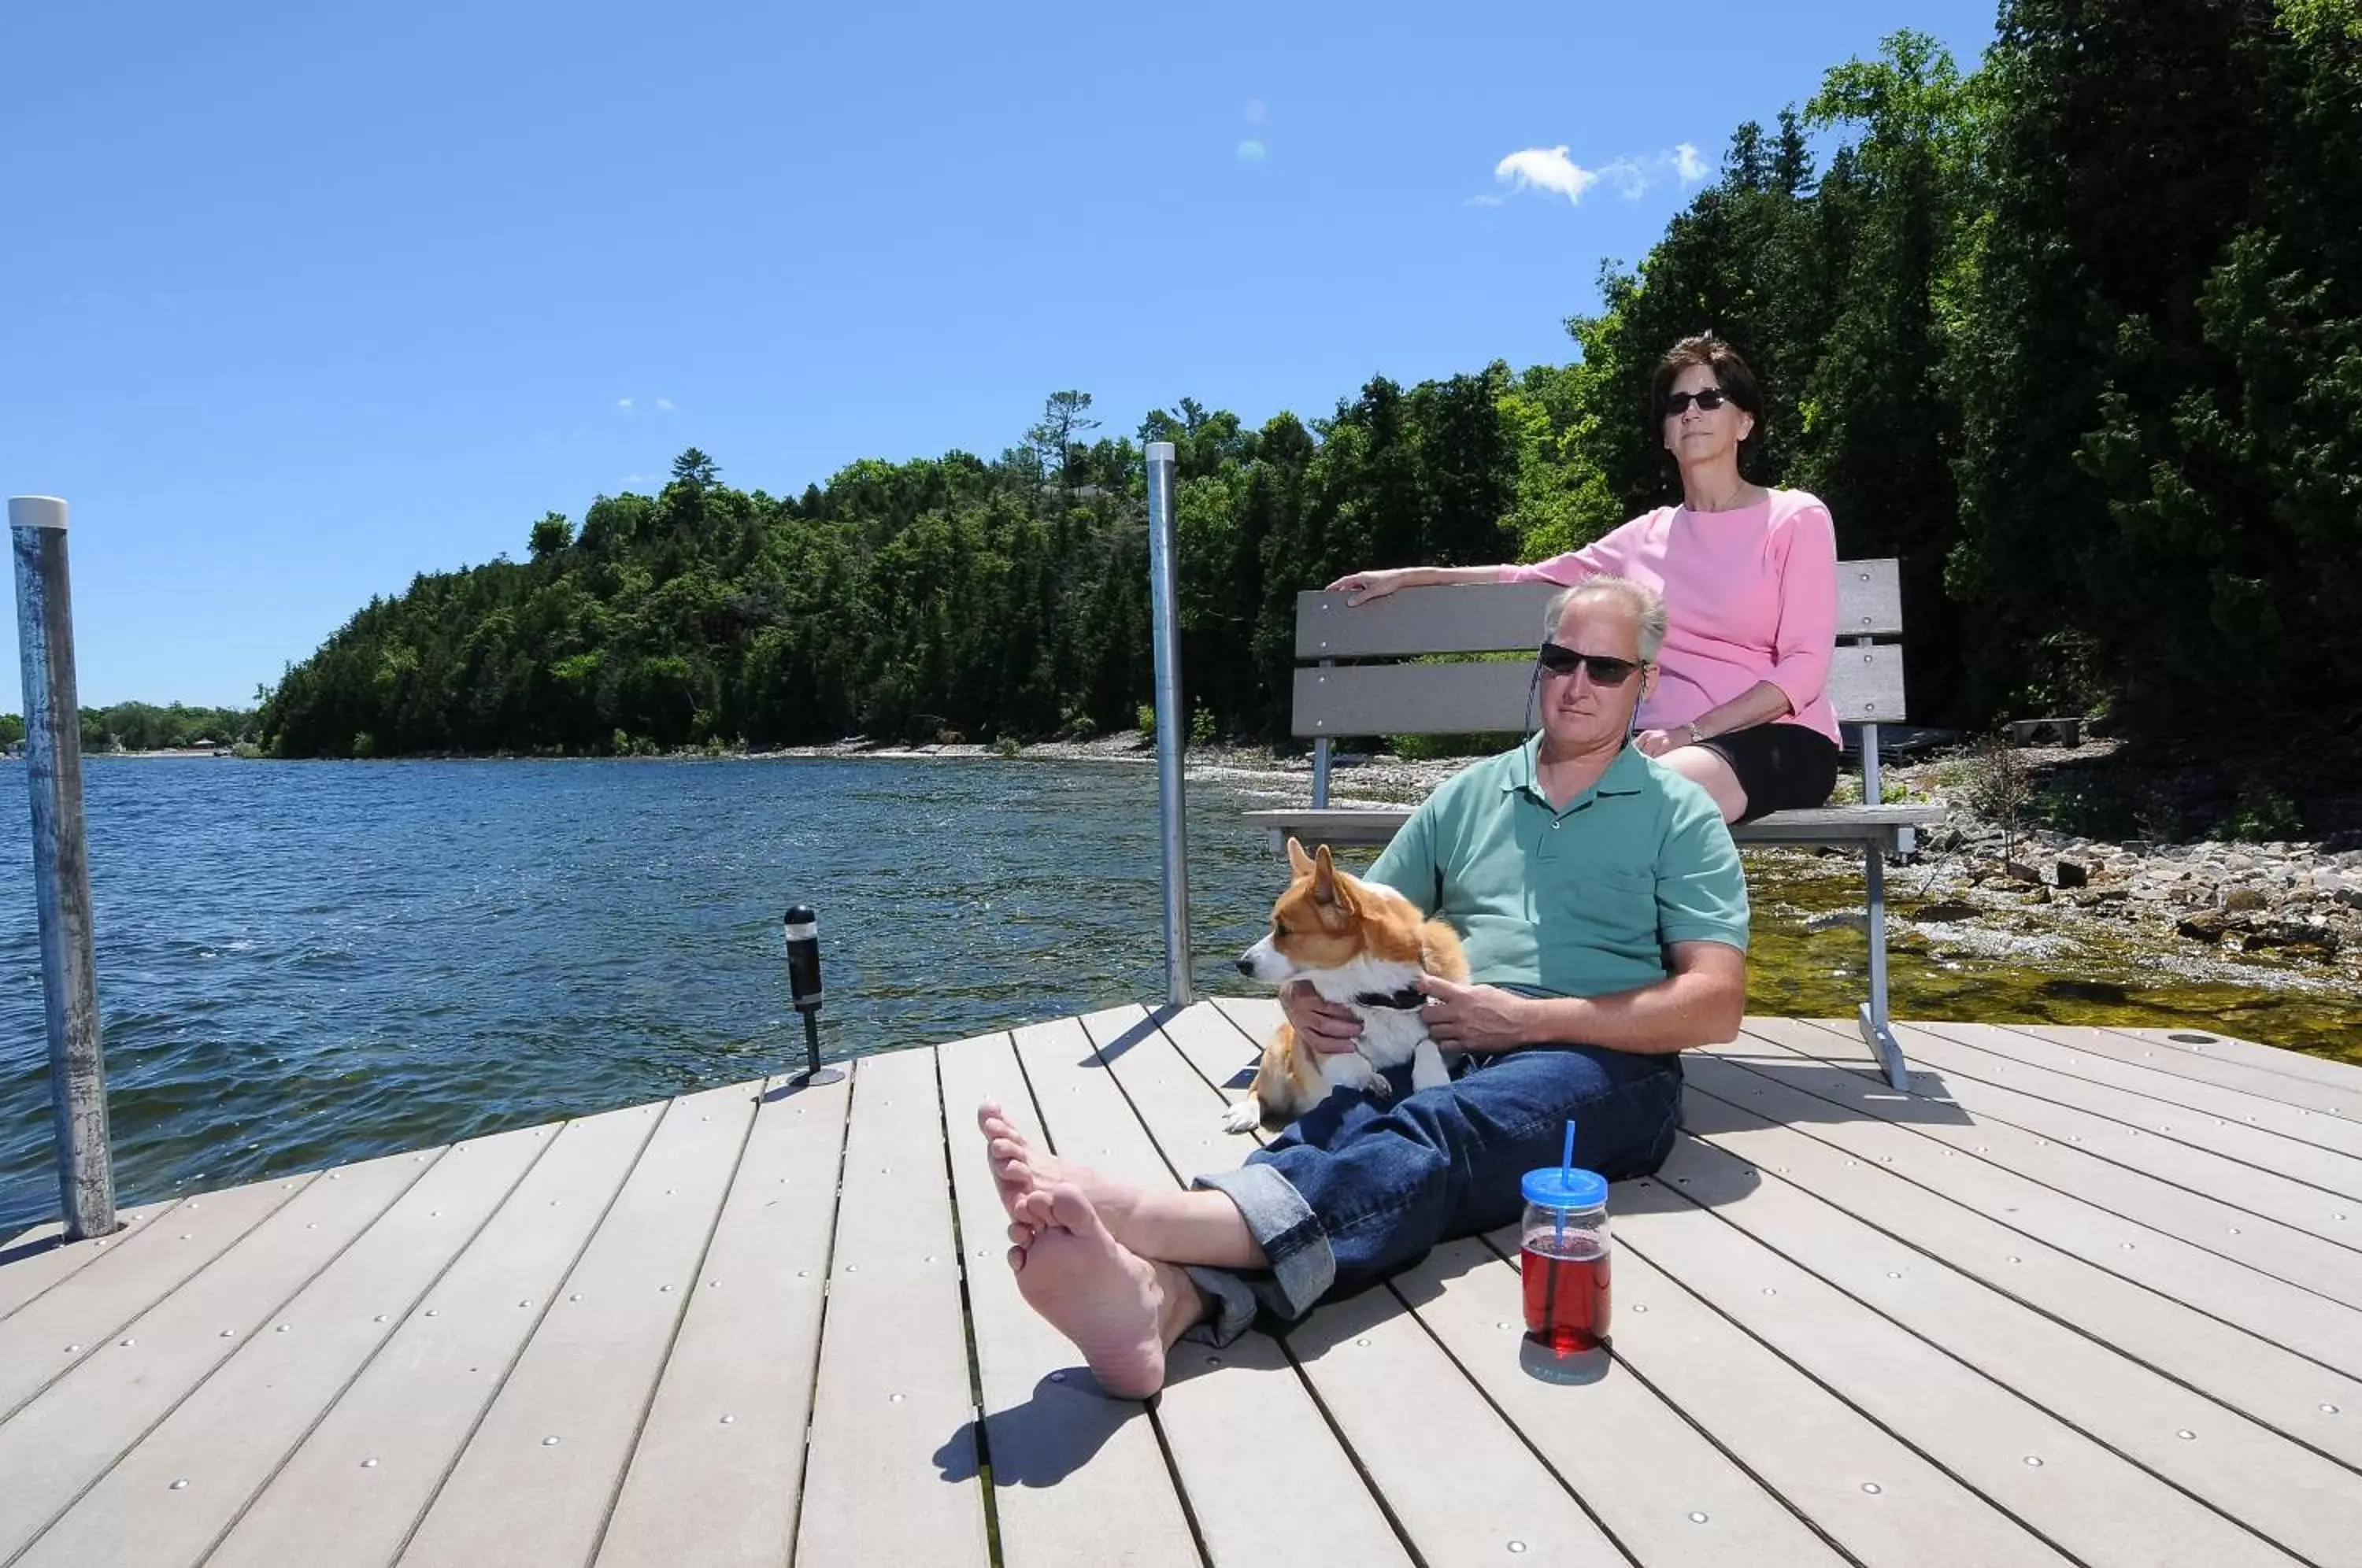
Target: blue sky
300,300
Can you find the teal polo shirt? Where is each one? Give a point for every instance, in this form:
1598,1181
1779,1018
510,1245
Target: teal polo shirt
1579,902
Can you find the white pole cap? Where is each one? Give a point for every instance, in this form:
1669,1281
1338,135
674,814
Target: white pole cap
35,511
1160,451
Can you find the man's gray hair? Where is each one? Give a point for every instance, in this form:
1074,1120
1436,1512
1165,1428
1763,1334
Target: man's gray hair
1647,604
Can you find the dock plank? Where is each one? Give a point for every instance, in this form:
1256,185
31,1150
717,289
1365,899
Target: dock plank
2309,1505
59,1442
538,1476
1651,1480
39,1259
52,1333
1076,1476
2082,1054
718,1468
227,1438
1464,1488
1955,1209
2263,1172
364,1474
2346,1075
2080,1494
889,1476
2343,1101
2087,1158
1212,1396
1879,1497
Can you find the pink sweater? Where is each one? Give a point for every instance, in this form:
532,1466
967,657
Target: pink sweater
1750,596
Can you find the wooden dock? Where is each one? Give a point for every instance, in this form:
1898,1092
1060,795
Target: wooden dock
2081,1297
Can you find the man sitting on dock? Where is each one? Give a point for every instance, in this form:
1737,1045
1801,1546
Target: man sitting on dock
1601,901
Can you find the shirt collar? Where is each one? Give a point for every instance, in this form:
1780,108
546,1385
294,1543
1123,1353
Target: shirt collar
1628,774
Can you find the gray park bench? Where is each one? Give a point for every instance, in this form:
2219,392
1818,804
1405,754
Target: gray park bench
1386,668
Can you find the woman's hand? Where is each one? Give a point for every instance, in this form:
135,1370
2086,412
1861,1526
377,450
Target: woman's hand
1326,1026
1361,587
1656,743
1475,1018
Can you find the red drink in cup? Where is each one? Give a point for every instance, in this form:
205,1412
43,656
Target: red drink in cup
1563,1258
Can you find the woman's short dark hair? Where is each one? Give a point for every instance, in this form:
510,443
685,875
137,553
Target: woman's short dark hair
1730,373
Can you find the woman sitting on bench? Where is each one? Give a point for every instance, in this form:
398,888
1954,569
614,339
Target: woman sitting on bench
1749,579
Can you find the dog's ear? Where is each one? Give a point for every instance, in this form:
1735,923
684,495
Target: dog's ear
1298,861
1327,883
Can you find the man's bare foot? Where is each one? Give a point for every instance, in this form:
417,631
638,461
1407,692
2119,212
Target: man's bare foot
1019,1168
1120,1310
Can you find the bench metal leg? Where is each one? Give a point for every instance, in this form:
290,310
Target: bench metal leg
1876,1032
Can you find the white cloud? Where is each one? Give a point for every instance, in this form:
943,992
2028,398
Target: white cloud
1251,152
1550,169
664,405
625,404
1545,169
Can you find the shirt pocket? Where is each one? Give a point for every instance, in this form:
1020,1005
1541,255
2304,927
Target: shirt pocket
1610,908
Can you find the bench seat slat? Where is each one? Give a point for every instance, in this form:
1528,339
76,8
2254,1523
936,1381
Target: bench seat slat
1892,828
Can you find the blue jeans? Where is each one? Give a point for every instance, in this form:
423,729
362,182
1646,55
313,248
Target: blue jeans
1360,1187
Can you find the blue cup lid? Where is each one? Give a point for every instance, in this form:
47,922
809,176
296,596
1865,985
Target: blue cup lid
1554,1187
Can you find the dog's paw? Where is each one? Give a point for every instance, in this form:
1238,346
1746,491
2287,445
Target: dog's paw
1376,1086
1422,1075
1243,1117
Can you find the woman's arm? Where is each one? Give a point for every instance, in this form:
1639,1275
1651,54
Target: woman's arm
1807,638
1361,587
1606,553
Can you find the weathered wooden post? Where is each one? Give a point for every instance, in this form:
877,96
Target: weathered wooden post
36,527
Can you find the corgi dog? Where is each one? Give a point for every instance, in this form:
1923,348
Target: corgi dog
1361,944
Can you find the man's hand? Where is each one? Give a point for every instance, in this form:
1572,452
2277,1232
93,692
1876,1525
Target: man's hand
1326,1026
1476,1018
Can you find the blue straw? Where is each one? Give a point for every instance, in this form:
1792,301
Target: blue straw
1566,1179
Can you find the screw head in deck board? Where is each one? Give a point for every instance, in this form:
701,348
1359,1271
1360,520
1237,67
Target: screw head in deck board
726,1421
1698,1518
2034,1461
549,1442
2186,1435
181,1485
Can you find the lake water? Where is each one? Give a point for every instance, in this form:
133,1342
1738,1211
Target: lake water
304,964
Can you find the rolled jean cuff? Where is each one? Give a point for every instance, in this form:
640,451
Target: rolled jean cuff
1282,1224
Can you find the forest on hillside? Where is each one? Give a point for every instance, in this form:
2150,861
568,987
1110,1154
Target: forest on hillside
2077,334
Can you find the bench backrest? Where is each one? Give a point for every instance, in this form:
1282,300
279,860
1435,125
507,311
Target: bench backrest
1447,696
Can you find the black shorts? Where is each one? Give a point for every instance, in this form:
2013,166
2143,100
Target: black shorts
1781,766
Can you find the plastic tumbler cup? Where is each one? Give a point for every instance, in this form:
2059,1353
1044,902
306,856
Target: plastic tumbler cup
1562,1254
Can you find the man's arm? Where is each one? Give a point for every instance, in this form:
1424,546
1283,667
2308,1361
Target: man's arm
1699,1003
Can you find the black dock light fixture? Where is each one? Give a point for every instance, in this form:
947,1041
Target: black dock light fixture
803,986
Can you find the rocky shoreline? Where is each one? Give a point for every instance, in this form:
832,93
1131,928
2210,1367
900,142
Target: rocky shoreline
2273,914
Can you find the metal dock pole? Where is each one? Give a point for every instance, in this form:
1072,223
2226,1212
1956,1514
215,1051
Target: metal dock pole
36,527
1172,722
